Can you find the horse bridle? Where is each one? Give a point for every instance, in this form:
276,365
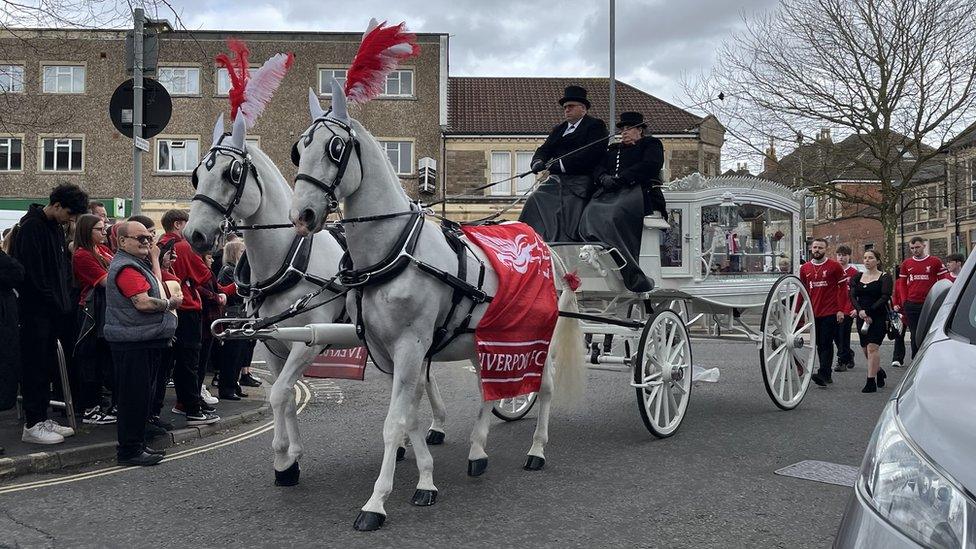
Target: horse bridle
236,174
338,150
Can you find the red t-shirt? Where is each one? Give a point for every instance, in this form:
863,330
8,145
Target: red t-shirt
827,285
849,272
950,277
131,282
87,270
190,269
916,277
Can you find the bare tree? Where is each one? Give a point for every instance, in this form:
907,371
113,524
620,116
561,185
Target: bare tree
898,76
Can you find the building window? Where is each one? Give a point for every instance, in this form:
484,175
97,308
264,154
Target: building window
501,170
223,82
400,154
523,161
399,84
11,154
810,207
177,155
62,154
324,74
64,79
11,79
180,80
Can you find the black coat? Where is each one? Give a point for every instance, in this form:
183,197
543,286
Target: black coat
637,164
41,248
591,131
11,276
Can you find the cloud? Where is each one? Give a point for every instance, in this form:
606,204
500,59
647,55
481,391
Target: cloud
657,40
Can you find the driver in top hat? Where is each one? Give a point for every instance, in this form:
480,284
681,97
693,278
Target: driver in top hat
572,151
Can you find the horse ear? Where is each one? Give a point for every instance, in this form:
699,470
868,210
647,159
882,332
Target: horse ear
339,111
238,135
314,108
218,130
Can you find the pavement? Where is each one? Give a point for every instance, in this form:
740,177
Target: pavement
92,444
607,482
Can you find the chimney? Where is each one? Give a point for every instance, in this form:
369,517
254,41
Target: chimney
770,161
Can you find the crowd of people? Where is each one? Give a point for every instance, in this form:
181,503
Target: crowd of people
878,305
132,312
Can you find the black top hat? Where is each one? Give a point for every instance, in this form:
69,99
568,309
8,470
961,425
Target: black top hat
631,119
575,93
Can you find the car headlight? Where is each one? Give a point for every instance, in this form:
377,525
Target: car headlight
904,488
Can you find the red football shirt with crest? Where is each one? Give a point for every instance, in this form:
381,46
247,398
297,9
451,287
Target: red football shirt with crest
916,277
827,284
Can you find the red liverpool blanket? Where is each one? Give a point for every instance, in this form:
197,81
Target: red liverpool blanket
513,337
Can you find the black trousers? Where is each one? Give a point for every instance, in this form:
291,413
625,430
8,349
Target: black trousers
843,341
186,360
96,370
913,311
826,332
159,385
39,361
135,372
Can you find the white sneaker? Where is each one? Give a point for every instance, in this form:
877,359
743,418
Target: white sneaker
895,364
59,429
40,433
207,397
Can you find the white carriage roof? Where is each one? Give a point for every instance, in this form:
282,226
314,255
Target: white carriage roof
697,182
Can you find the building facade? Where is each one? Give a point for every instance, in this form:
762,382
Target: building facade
55,88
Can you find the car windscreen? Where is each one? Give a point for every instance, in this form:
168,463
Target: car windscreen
964,318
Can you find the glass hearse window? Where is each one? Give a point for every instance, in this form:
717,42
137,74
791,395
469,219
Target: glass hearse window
671,241
746,239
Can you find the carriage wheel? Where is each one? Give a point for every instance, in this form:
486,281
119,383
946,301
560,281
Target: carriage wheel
514,409
662,373
788,333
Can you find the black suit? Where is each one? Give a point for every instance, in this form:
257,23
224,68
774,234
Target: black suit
555,208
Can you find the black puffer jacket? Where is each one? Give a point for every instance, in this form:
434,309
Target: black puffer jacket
11,275
41,248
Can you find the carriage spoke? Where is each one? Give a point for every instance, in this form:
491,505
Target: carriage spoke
778,350
673,402
805,328
665,404
654,400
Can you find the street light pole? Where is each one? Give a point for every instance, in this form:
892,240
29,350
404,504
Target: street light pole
137,87
613,79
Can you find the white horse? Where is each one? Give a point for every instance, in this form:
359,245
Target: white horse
340,161
237,180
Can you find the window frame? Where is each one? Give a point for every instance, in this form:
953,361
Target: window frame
23,76
413,84
216,76
9,137
185,67
810,211
493,190
70,137
68,64
169,138
413,153
322,68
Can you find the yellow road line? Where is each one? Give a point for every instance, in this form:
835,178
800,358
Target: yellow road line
303,395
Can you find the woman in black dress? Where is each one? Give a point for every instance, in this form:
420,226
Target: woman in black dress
870,293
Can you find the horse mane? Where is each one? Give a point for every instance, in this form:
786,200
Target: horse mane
371,142
263,162
382,49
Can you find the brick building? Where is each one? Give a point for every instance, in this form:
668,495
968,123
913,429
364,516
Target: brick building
55,88
496,124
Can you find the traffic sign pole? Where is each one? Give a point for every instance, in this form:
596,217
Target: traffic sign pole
137,104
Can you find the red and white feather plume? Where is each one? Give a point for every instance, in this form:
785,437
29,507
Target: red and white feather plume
250,93
382,49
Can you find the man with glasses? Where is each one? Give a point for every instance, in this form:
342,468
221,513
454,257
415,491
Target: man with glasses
45,303
571,152
139,325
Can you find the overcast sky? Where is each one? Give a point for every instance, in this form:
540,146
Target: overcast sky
657,40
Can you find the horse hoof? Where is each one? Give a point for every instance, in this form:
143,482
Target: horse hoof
401,453
435,438
367,521
288,477
424,498
534,463
476,467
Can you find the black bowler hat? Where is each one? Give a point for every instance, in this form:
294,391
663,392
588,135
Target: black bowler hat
631,119
575,93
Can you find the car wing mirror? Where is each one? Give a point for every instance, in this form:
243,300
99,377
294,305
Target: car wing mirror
930,309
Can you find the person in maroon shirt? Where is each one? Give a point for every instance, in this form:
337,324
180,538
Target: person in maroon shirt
193,273
845,356
826,283
89,264
916,277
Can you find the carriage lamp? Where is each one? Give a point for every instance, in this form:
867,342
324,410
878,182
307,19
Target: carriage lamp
728,211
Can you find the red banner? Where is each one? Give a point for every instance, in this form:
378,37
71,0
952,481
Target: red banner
513,337
339,364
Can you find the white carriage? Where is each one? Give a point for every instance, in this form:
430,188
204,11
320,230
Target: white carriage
723,264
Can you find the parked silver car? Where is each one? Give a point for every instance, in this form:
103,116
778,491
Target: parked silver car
918,479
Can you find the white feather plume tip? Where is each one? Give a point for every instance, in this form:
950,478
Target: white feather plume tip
262,85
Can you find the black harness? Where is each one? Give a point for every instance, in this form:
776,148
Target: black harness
339,150
236,173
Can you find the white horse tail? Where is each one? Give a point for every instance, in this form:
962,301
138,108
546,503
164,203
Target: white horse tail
566,348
